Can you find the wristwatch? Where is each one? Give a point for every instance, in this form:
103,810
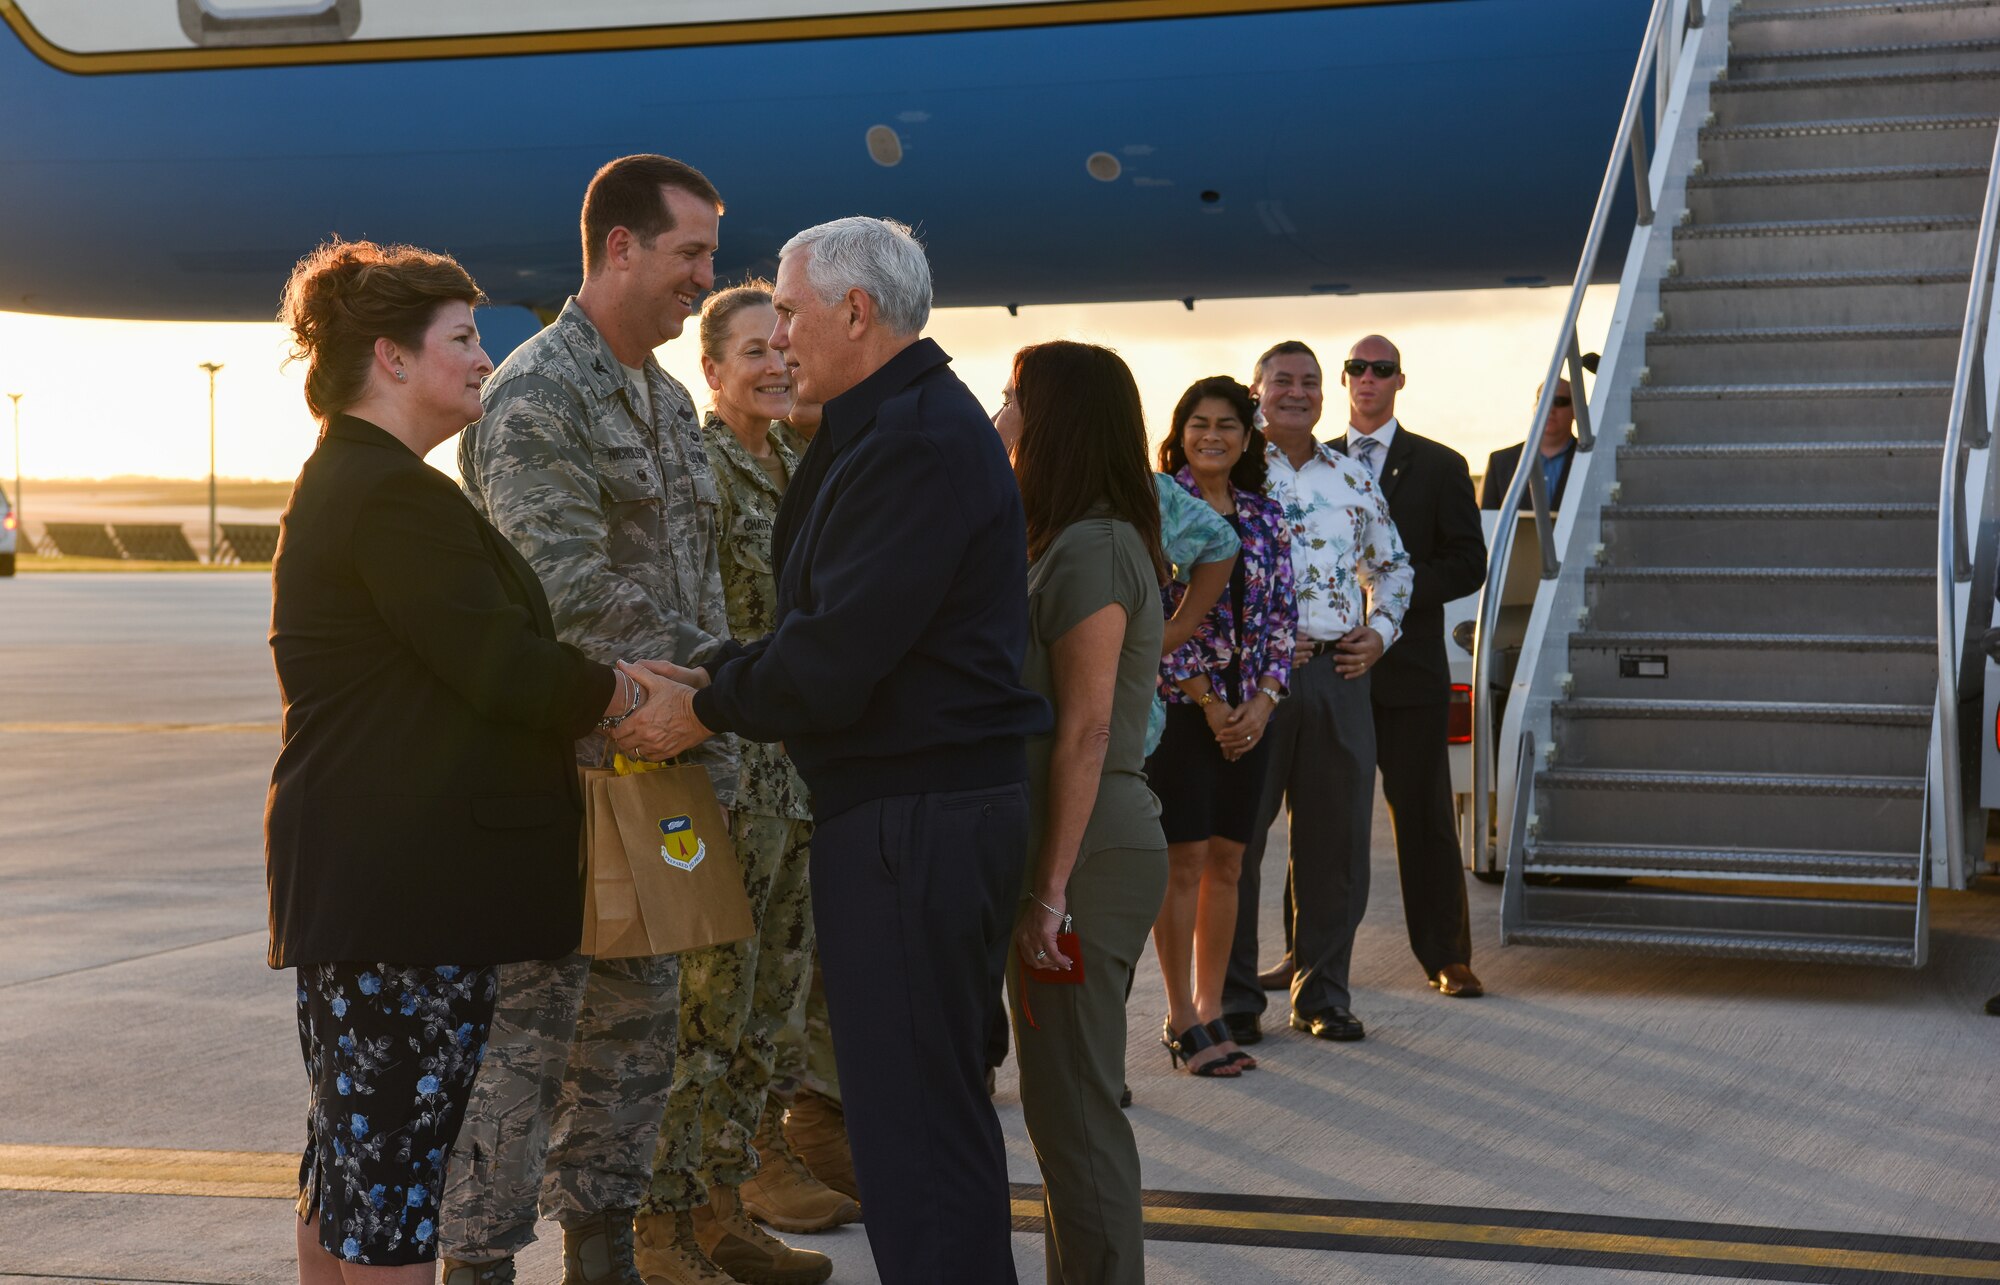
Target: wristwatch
1206,699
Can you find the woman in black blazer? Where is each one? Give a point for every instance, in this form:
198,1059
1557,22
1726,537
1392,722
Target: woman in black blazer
423,815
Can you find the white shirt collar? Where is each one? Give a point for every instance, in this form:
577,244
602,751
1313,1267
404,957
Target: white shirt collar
1385,435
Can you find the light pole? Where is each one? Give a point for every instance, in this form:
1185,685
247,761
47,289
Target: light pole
211,367
20,523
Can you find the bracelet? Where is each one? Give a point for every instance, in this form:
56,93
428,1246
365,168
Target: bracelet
1046,906
632,704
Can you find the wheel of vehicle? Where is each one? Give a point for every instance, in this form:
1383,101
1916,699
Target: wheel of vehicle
6,564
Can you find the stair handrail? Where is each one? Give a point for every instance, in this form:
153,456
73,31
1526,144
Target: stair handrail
1954,558
1630,140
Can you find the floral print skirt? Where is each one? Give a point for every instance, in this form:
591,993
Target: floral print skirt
391,1051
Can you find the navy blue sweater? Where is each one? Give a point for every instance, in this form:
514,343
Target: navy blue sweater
902,601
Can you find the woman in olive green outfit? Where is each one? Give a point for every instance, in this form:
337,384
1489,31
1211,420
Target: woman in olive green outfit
1098,859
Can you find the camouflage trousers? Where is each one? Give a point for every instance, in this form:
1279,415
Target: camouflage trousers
735,999
805,1050
568,1102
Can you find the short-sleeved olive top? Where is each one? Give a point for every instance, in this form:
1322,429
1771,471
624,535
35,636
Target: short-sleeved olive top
1092,564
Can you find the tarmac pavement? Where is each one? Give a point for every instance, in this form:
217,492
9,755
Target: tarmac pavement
137,731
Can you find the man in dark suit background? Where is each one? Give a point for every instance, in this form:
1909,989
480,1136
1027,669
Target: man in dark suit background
1429,490
1558,453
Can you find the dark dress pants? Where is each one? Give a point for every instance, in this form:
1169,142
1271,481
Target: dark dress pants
914,899
1322,773
1411,750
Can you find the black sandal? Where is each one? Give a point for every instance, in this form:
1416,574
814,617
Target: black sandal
1218,1033
1183,1047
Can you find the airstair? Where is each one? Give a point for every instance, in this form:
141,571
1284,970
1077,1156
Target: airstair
1740,723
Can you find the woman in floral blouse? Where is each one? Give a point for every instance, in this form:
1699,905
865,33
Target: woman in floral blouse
1221,687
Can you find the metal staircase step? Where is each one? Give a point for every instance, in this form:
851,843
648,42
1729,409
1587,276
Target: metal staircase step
1779,864
1875,669
1775,472
1807,600
1762,783
1761,30
1976,51
1821,245
1792,534
1728,809
1850,192
1931,295
1837,737
1853,94
1781,354
1715,943
1900,410
1962,138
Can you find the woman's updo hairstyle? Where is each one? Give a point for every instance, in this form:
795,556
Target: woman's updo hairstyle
345,295
721,310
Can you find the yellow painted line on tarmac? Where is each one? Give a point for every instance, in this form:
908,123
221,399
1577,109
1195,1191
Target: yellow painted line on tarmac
74,728
273,1175
1846,1260
146,1171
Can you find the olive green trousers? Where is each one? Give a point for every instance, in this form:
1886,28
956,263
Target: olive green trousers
1070,1043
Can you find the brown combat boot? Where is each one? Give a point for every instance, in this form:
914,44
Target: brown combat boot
597,1250
669,1253
783,1192
748,1252
459,1272
817,1130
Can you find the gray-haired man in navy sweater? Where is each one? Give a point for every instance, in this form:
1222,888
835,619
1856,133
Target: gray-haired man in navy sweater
894,680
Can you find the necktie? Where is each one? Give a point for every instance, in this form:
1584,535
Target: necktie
1365,451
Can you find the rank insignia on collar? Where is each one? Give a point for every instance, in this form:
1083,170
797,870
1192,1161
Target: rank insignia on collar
680,846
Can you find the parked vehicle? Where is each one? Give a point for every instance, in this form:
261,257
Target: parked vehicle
10,535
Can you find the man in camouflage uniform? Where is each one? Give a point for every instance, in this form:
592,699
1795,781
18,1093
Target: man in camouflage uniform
598,476
736,999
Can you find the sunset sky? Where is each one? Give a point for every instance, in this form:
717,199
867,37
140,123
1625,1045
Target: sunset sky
109,398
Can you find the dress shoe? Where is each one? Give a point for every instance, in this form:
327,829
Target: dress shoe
1328,1024
1458,981
1993,1006
1278,977
1243,1027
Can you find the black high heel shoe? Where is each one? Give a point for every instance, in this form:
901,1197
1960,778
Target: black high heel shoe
1183,1047
1218,1033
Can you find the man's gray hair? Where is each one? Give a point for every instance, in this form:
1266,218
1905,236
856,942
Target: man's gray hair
879,257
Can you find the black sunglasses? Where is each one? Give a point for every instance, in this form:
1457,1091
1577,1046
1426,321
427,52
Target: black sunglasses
1562,403
1355,368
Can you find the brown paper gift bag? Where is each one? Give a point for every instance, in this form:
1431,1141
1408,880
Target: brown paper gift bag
682,888
611,925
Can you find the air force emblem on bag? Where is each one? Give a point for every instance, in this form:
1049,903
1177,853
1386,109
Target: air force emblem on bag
680,846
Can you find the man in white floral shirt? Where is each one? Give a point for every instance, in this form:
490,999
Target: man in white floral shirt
1353,581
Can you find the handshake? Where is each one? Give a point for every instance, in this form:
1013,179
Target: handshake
651,715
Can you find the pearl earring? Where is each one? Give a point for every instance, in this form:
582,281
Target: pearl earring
399,376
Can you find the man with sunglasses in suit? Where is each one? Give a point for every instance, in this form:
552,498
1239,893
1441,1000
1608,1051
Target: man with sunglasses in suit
1429,491
1558,452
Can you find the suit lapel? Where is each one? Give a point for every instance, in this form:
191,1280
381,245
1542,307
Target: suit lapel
1398,461
527,588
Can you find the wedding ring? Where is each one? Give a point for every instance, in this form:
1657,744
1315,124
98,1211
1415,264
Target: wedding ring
1041,955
